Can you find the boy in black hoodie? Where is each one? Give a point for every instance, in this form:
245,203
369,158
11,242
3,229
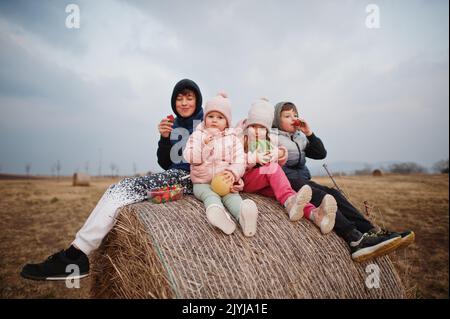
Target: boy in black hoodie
187,105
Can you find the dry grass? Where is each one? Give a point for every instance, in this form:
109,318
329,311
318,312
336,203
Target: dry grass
417,202
39,217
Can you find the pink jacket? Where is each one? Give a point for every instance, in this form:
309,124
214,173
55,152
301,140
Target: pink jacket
250,159
225,152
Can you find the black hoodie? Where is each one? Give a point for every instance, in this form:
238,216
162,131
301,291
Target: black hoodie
165,144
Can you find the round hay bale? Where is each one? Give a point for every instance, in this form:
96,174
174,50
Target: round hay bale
81,179
377,172
171,251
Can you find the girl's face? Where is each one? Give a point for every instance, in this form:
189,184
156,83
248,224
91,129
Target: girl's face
258,131
287,119
216,120
185,104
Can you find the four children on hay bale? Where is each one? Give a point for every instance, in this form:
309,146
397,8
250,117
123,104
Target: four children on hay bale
245,159
265,154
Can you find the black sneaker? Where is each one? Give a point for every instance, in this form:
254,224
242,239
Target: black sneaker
374,244
56,268
407,237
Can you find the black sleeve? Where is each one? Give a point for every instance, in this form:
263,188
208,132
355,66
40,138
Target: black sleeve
163,153
315,148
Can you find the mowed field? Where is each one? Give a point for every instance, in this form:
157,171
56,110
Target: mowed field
40,217
417,202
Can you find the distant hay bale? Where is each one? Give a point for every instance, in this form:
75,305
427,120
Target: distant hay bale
377,172
142,174
81,179
170,251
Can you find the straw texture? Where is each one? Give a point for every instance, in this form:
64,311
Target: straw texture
171,251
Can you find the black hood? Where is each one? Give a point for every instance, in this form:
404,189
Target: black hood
191,85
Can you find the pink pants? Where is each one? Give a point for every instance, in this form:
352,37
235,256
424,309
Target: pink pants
271,181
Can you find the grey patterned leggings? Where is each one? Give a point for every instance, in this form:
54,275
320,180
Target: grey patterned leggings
128,191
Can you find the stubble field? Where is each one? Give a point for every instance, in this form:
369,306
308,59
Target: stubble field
41,216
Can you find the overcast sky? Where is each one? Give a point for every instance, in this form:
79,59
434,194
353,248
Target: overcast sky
78,95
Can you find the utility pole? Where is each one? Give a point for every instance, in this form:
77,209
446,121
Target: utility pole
58,168
28,169
100,162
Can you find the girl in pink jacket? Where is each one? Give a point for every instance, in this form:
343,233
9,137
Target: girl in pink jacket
215,149
265,176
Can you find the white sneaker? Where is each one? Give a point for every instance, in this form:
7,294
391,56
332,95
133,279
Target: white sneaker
324,216
220,218
248,217
297,203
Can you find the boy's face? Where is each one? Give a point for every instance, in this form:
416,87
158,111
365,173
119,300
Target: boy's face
216,120
287,119
186,103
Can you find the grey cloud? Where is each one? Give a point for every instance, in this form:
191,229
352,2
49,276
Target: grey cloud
46,19
348,79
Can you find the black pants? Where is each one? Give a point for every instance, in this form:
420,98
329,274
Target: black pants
348,217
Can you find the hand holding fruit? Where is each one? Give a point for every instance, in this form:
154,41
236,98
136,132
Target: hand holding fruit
165,126
282,154
228,176
303,126
222,183
237,186
263,158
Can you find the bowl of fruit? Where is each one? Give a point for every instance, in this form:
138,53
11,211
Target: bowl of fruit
165,194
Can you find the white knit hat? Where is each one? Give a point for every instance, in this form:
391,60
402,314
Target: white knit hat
261,112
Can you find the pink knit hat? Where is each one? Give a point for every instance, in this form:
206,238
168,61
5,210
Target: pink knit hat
261,112
219,103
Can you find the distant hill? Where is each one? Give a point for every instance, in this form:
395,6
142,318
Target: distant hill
19,176
346,167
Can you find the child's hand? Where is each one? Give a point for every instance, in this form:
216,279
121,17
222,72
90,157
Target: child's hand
263,158
276,156
165,127
228,176
237,187
282,154
304,127
208,139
